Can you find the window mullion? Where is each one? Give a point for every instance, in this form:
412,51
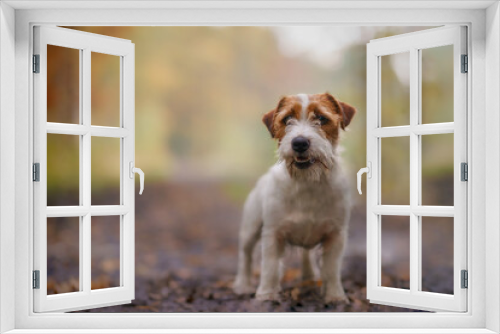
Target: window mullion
414,169
419,168
85,165
80,187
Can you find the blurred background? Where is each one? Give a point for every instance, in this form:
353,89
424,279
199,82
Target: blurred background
200,96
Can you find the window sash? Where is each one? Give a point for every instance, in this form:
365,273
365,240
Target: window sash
86,297
412,43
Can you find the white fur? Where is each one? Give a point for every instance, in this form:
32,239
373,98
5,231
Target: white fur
297,207
305,102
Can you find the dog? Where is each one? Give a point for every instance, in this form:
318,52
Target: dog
303,200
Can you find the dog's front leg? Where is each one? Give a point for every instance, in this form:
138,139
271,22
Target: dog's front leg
272,250
307,269
333,248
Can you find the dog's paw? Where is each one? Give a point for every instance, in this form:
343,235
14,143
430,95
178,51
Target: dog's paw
336,298
240,288
273,296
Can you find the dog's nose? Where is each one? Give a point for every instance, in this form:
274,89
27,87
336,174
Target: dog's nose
300,144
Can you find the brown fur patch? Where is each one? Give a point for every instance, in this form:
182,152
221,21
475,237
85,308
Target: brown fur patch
274,119
349,112
268,119
338,114
327,106
345,110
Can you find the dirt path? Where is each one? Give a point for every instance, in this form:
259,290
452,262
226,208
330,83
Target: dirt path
213,294
186,241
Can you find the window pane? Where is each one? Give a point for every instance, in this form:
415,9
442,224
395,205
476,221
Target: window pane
63,85
105,89
63,254
395,83
105,247
395,254
395,173
437,169
437,84
105,171
63,170
437,254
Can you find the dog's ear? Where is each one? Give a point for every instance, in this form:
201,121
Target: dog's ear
345,110
268,117
348,112
268,120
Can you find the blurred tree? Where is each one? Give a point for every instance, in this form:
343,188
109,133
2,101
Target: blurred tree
201,91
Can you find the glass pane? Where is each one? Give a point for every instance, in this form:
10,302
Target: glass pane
437,254
395,253
395,83
63,255
105,89
63,170
437,84
437,169
395,173
105,247
63,85
105,171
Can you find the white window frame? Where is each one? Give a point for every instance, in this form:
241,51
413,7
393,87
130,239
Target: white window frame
413,44
16,217
86,44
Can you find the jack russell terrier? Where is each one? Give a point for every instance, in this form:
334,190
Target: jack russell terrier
303,200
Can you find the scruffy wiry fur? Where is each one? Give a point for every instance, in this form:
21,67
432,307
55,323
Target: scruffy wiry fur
321,150
294,206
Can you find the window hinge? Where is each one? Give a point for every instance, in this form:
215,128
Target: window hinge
36,63
36,172
36,279
464,171
464,279
465,64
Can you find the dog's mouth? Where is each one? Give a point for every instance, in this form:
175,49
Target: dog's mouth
303,162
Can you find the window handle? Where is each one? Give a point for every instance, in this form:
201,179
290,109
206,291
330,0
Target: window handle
138,171
368,171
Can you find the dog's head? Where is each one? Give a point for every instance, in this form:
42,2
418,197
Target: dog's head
307,128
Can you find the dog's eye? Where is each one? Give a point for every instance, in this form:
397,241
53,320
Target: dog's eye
322,119
286,119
